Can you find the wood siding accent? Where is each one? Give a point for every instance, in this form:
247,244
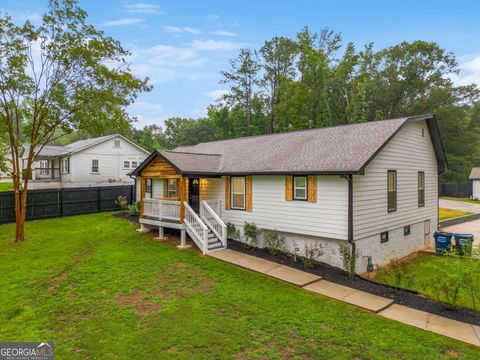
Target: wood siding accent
160,168
326,218
248,193
407,153
227,192
165,188
312,188
288,188
182,195
143,190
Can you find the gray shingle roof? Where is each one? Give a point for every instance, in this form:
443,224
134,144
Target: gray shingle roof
474,174
331,150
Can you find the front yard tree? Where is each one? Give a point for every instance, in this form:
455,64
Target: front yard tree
57,77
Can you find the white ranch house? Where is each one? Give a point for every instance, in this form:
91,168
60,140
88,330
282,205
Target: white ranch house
100,161
372,185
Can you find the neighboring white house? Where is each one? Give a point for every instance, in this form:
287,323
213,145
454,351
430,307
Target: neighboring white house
372,186
100,161
475,179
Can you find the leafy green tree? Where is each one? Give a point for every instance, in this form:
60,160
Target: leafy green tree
57,77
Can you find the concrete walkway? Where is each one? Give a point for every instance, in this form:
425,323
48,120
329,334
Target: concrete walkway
460,205
382,306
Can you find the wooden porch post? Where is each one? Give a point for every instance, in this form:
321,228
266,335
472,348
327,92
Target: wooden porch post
143,189
182,195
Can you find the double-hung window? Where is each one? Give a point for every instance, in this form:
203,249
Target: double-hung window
421,189
392,190
66,165
134,164
95,166
126,164
238,192
172,188
300,188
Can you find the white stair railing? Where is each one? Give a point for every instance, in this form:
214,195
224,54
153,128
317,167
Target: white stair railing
213,221
195,227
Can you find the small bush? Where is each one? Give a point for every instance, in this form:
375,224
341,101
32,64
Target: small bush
251,232
348,259
312,253
274,242
122,202
133,210
296,252
232,231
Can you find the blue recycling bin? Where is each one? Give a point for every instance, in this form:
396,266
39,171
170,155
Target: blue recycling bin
463,244
443,241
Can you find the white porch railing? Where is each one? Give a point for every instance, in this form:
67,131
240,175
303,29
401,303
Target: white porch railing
197,230
215,204
162,209
213,221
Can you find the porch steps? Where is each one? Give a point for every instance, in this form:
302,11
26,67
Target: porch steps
214,242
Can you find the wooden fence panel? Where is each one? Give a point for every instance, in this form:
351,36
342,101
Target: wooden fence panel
50,203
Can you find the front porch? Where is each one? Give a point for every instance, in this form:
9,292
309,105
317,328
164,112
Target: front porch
170,200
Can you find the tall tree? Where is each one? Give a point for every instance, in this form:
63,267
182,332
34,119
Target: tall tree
243,80
278,60
56,77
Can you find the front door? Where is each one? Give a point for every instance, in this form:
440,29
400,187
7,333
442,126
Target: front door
194,194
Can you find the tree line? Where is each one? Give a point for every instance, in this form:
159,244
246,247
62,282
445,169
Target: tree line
315,80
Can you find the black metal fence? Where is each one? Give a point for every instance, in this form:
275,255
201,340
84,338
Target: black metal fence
50,203
457,190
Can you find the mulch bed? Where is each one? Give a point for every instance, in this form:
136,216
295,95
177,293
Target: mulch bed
400,296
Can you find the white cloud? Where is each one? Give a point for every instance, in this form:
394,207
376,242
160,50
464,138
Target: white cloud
123,21
143,8
217,94
146,112
223,33
469,72
213,17
179,30
214,45
22,16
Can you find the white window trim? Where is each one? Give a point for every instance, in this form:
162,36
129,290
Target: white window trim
295,187
116,141
136,164
98,167
232,206
125,162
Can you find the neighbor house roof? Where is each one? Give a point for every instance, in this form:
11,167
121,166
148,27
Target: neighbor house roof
345,149
474,174
51,150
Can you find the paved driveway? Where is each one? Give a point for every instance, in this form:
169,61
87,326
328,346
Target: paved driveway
460,205
469,227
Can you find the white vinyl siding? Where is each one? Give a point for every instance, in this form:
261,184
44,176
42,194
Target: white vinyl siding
408,153
325,218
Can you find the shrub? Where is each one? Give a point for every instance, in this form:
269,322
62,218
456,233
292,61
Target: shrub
274,242
251,232
133,210
312,253
122,202
296,252
232,232
348,259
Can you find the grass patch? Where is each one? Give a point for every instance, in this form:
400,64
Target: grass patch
445,214
424,273
6,186
101,290
473,201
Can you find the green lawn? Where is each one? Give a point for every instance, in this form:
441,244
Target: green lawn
6,186
101,290
445,214
430,275
461,199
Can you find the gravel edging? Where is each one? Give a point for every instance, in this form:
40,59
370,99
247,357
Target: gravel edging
400,296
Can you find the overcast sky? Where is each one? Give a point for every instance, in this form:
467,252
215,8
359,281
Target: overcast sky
183,45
